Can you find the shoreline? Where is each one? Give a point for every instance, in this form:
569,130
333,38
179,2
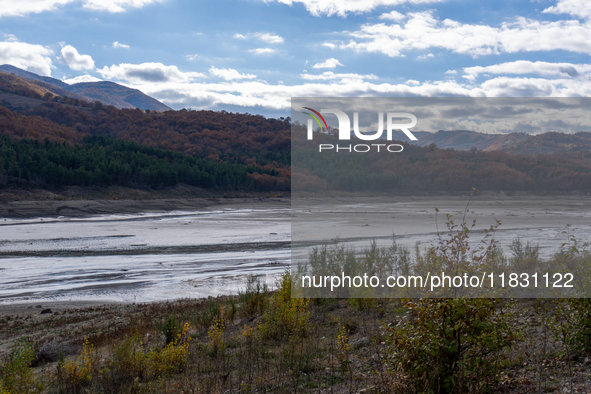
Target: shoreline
88,208
34,308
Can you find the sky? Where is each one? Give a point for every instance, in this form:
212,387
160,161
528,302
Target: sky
254,55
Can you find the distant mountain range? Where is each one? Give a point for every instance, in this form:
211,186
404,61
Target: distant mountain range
514,143
108,93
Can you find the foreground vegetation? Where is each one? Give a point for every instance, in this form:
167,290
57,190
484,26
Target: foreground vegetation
261,341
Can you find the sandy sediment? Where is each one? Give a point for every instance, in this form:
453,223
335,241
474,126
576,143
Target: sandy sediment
85,208
34,309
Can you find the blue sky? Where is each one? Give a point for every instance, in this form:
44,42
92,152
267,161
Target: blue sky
253,55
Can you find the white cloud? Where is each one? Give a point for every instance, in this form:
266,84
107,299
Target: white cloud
115,6
71,58
422,31
329,63
522,87
451,72
22,7
229,74
10,37
329,45
117,44
25,7
577,8
148,72
329,75
344,7
30,57
394,15
251,93
270,38
191,57
81,78
266,37
278,96
262,51
565,70
427,56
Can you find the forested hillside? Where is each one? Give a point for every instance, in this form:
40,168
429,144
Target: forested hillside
103,161
261,147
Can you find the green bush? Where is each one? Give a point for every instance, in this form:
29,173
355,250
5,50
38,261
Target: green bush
285,316
16,375
170,328
73,375
213,311
133,363
254,298
582,309
570,323
525,257
451,345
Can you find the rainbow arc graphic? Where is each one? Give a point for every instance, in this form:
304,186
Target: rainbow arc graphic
316,118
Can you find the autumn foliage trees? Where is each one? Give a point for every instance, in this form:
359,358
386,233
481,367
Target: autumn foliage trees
259,146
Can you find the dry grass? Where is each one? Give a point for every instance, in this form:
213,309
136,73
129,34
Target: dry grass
221,346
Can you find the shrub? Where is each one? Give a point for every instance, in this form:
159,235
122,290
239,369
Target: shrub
451,345
132,361
574,257
455,255
254,298
170,328
76,374
231,309
525,258
172,358
343,347
582,329
285,316
16,374
216,343
570,323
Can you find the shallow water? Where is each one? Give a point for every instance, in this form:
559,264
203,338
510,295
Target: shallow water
141,258
156,256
